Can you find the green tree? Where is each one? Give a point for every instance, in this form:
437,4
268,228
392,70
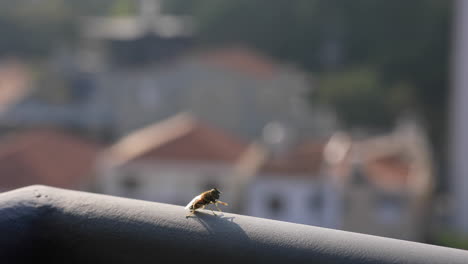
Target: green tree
123,8
360,99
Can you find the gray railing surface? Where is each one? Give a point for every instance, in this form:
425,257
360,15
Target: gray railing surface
39,223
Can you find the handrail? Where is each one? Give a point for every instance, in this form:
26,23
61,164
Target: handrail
60,226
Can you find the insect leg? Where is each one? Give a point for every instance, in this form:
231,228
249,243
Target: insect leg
190,214
216,204
213,212
203,207
210,209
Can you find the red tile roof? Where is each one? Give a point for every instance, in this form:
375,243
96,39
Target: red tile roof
383,165
184,138
389,172
47,157
242,60
181,138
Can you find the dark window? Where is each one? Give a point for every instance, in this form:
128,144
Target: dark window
130,183
275,204
358,176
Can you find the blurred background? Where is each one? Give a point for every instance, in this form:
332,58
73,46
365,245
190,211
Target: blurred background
349,115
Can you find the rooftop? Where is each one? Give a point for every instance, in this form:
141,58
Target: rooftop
240,59
46,156
179,138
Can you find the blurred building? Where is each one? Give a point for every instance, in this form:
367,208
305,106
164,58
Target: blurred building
176,159
293,187
170,161
148,38
233,88
385,183
129,72
147,69
379,185
69,93
46,156
66,101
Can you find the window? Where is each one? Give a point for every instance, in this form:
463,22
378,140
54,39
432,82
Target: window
358,176
130,183
275,204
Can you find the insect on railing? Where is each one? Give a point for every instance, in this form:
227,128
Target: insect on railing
40,223
204,199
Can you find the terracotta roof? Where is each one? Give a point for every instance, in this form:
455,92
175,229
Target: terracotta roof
386,168
47,157
180,138
389,172
242,60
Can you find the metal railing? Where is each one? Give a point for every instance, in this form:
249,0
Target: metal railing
39,223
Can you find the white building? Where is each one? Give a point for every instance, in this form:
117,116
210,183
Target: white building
174,160
385,183
294,188
234,88
380,185
171,161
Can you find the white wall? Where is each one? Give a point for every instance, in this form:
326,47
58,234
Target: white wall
296,195
168,182
178,183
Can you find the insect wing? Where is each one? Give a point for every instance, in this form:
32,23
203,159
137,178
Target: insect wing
193,201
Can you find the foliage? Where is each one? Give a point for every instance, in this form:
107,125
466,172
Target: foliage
123,8
451,239
360,98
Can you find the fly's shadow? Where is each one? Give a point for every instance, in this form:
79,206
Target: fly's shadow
214,224
223,233
221,226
